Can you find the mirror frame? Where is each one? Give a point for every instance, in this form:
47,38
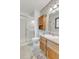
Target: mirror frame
57,23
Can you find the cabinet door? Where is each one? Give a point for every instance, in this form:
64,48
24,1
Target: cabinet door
42,22
51,54
43,45
43,48
53,46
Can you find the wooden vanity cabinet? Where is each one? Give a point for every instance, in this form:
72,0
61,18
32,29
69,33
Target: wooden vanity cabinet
42,22
51,54
52,50
49,48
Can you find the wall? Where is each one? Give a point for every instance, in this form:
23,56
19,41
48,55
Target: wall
22,29
51,24
29,30
26,29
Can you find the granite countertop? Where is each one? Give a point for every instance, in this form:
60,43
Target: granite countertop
51,38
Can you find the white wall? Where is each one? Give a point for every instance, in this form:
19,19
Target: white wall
22,29
29,29
26,30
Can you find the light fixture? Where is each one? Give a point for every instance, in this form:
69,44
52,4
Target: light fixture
53,11
55,6
50,9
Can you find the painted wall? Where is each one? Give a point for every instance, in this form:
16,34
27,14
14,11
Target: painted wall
26,29
29,30
22,29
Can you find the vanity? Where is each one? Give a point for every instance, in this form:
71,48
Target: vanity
50,46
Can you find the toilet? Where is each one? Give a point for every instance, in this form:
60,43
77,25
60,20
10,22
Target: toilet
35,41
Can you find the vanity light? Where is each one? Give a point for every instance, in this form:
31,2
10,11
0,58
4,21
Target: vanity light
55,6
54,9
50,9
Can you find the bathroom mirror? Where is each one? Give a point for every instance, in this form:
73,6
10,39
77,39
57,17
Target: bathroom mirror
57,23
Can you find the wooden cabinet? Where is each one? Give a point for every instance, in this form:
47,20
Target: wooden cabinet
52,50
51,54
43,44
49,48
42,22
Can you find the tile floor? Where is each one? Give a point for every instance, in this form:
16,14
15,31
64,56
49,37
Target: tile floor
25,52
28,52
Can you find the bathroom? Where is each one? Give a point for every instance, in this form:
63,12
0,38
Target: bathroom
31,29
39,23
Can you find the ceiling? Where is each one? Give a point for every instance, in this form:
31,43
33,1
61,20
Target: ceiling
28,6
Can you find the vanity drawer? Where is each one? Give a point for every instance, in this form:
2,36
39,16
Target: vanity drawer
43,45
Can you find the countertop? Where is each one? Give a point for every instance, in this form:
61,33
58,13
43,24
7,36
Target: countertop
51,38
